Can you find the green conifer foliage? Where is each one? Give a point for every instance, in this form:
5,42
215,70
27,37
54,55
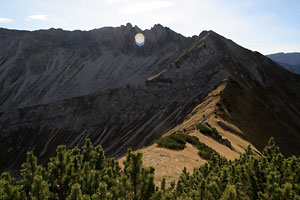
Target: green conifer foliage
163,184
29,170
60,172
229,193
76,193
85,173
9,190
141,179
39,189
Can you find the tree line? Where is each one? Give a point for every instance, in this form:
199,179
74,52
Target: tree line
86,174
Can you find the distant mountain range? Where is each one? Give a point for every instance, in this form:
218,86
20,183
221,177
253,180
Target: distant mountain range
291,61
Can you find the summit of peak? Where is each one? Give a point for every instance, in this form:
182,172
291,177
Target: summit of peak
158,26
129,25
208,33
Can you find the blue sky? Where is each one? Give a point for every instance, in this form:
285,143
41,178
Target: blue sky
267,26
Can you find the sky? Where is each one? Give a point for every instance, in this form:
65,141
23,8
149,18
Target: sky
267,26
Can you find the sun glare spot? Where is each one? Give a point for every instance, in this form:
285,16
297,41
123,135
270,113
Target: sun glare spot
139,39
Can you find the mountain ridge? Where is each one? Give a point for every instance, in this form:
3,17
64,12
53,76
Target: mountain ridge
57,56
135,115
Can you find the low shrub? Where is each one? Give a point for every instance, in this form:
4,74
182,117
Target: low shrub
205,152
178,142
216,134
213,132
175,142
191,139
203,128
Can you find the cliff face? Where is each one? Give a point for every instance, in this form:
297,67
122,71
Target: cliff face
45,66
99,85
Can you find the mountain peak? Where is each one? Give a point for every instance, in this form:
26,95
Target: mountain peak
158,26
129,25
205,32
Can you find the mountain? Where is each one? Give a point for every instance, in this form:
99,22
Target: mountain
288,58
294,68
49,65
60,87
291,61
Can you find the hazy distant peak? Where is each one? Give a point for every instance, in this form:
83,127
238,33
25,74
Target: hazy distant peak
288,58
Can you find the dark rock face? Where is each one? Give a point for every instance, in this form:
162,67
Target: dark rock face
100,85
45,66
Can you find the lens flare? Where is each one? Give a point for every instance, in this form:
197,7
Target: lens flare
139,39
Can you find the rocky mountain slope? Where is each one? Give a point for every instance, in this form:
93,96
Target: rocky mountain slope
44,66
140,93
